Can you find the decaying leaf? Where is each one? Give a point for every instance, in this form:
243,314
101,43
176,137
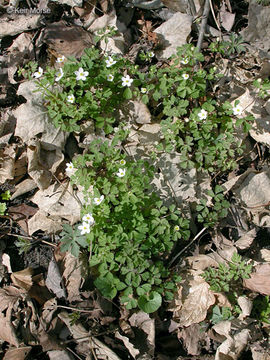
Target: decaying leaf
196,299
245,305
130,347
54,280
20,353
246,240
60,201
67,40
79,332
60,355
259,280
14,24
143,321
232,347
72,276
173,33
7,165
9,301
192,337
43,221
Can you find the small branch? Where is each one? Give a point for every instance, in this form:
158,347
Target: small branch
185,248
203,24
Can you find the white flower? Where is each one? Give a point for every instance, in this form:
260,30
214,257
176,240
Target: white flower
202,114
39,73
59,74
143,90
185,76
110,62
151,54
184,61
110,77
186,120
126,80
88,218
85,228
71,98
80,74
99,200
176,228
70,170
237,110
60,59
121,172
116,129
122,162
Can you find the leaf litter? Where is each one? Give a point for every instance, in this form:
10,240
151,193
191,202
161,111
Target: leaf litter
42,159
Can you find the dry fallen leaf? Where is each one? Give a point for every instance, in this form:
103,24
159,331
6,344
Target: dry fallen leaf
259,280
197,298
79,332
54,280
72,276
192,337
20,353
232,347
245,305
130,347
143,321
246,240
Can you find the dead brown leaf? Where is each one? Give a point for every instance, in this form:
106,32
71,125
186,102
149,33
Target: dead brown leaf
130,347
192,336
246,240
20,353
196,299
72,276
143,321
232,347
7,164
21,213
259,281
67,40
54,280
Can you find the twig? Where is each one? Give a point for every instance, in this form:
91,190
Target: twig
74,309
214,16
185,248
203,24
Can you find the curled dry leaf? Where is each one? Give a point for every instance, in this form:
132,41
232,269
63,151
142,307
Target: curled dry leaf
232,347
132,350
192,337
197,298
259,280
79,333
9,302
143,321
265,254
201,262
72,276
54,280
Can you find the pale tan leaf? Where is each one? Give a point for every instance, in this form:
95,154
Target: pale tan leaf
14,24
60,355
265,254
196,303
7,330
232,348
259,280
201,262
130,347
54,280
20,353
72,276
192,337
246,240
23,278
9,295
42,221
144,322
245,305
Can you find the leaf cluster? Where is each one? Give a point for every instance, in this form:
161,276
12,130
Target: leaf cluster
210,215
133,233
226,278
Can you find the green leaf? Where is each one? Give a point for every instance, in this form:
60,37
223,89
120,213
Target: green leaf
127,94
106,287
150,303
